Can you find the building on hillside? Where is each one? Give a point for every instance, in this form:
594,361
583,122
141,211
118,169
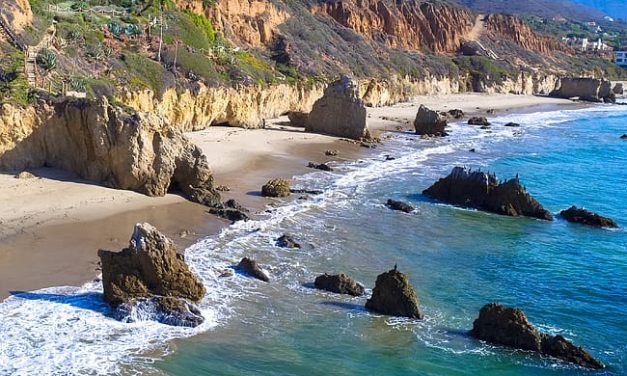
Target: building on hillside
620,58
584,45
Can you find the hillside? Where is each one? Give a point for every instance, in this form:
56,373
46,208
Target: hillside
568,9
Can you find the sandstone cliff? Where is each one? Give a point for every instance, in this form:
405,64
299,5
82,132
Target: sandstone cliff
17,14
515,29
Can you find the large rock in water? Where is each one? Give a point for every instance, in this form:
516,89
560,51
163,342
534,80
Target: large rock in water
586,217
479,190
150,272
250,267
393,295
340,112
586,89
429,122
510,327
340,284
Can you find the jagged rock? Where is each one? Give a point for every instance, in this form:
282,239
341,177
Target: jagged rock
586,217
150,268
393,295
399,205
512,124
276,188
340,284
286,241
340,112
510,327
298,119
429,122
624,137
332,153
618,89
456,114
321,166
586,89
479,190
231,210
478,120
251,268
24,175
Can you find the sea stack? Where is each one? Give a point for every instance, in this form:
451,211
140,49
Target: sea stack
429,122
150,272
393,295
480,190
510,327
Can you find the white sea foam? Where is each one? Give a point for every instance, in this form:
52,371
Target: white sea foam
67,330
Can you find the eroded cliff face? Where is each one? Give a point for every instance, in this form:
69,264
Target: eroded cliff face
515,29
17,14
411,25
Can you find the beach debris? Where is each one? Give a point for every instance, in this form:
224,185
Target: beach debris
340,112
149,275
230,210
478,120
298,119
25,175
510,327
480,190
279,187
430,122
393,295
223,188
321,166
456,114
286,241
250,267
400,206
340,284
332,153
586,217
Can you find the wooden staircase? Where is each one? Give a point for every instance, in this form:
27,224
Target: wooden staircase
30,65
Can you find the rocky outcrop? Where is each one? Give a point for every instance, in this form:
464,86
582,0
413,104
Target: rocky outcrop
479,190
278,187
298,119
320,166
618,89
340,284
478,120
407,25
400,206
586,217
515,29
456,113
286,241
586,89
393,295
103,143
512,125
230,210
340,112
17,15
150,272
250,267
429,122
510,327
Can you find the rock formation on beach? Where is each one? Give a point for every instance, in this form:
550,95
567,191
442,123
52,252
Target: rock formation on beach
586,89
399,205
298,118
150,272
480,190
286,241
230,210
321,166
393,295
478,120
278,187
429,122
618,89
340,112
250,267
510,327
340,284
586,217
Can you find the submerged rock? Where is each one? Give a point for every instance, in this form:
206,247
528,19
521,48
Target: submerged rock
150,270
512,124
586,217
276,188
253,269
231,210
399,205
393,295
340,284
478,120
510,327
429,122
479,190
286,241
340,112
321,166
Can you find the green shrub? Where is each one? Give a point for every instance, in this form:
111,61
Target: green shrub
204,24
46,59
143,72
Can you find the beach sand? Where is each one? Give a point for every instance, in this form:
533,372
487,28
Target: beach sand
51,226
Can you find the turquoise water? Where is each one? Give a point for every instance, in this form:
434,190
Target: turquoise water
568,278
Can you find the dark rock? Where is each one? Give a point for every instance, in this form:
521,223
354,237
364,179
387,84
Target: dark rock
298,119
332,153
166,310
510,327
399,205
393,295
490,111
286,241
389,158
340,284
618,89
429,122
276,188
307,191
624,137
512,124
473,150
478,120
321,166
456,114
586,217
485,127
231,210
251,268
482,191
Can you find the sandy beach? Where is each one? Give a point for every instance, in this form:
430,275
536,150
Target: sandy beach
52,225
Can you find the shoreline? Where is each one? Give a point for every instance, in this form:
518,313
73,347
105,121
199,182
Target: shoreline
67,220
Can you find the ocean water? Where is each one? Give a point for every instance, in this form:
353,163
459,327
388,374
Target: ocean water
569,279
